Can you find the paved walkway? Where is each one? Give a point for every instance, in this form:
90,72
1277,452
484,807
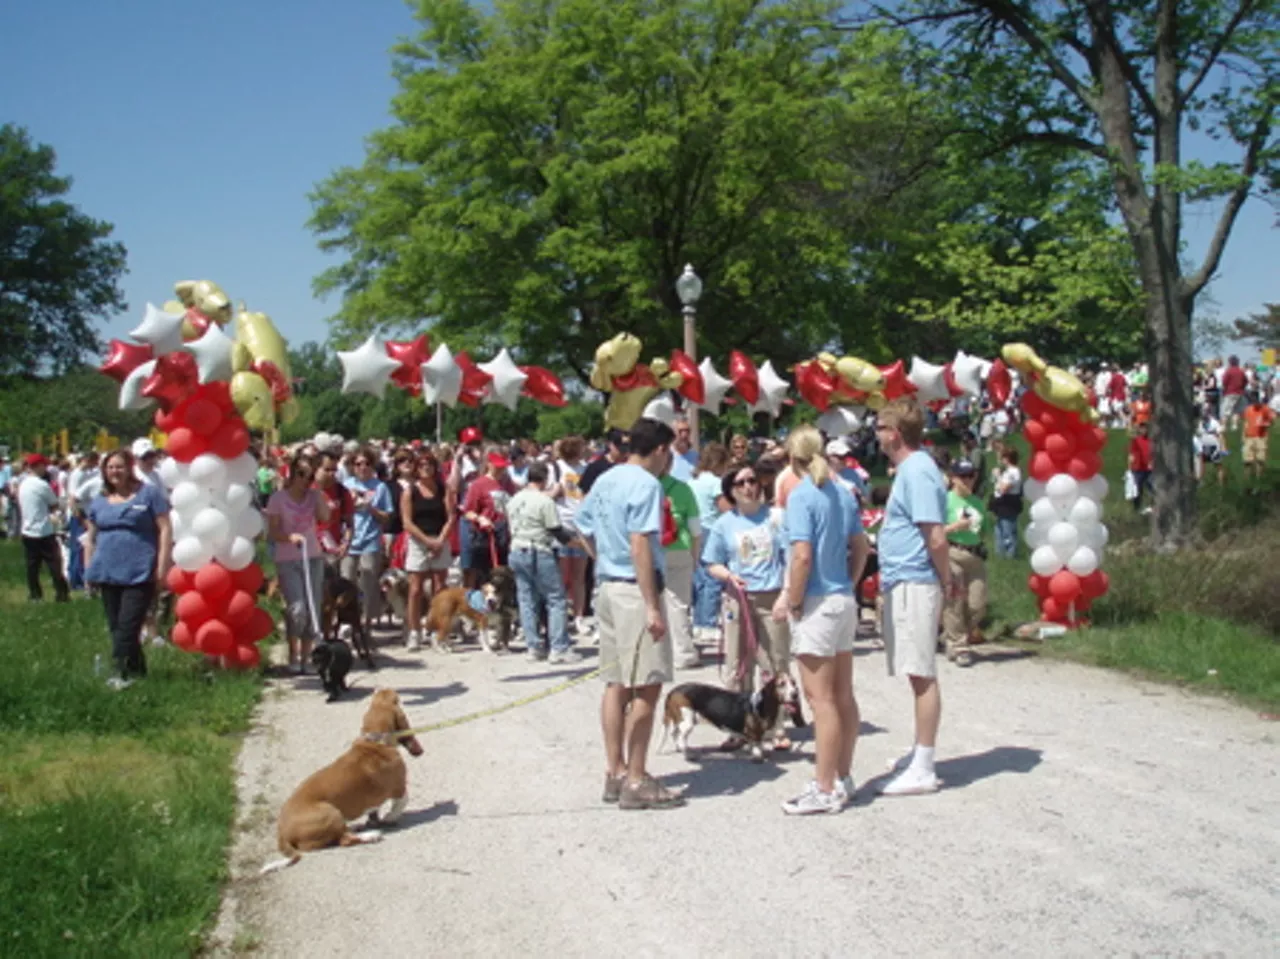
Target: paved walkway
1086,813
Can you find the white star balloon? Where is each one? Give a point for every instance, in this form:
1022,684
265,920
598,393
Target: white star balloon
773,390
367,368
441,378
839,421
714,387
966,370
508,380
929,381
162,330
661,408
131,397
213,354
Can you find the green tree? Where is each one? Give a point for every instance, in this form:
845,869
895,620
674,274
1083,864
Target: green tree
1122,83
315,369
58,272
82,401
1262,329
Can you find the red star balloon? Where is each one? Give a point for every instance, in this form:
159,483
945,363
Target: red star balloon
895,381
815,384
174,379
543,385
410,354
743,374
475,381
692,388
999,382
123,358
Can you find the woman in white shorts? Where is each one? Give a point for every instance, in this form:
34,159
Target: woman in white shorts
427,509
828,552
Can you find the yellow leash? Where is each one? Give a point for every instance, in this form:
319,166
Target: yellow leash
495,710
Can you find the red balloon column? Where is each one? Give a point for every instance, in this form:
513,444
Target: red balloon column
1066,489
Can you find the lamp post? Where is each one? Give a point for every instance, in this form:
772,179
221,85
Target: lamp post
689,289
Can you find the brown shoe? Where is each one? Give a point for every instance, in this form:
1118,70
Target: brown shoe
648,794
612,788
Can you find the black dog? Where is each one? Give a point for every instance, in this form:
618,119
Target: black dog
340,606
500,594
332,659
749,715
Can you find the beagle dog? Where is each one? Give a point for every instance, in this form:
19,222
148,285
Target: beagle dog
359,781
749,715
450,606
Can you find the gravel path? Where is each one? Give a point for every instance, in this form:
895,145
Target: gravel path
1085,813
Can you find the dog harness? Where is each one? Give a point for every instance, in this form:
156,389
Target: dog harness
477,601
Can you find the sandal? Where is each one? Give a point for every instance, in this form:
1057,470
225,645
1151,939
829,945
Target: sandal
649,794
782,744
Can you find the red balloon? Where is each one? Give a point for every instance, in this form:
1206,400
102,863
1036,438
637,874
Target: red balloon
1052,420
215,638
1060,445
174,379
123,358
895,381
1038,584
259,627
1035,434
410,354
230,440
1084,464
1099,437
1064,586
219,392
201,416
1053,611
179,580
815,384
248,579
1042,467
240,607
692,388
542,385
1032,405
949,380
194,609
214,581
743,375
184,445
183,637
475,381
167,420
999,383
241,657
199,322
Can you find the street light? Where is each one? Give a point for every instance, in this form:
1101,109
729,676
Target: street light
689,289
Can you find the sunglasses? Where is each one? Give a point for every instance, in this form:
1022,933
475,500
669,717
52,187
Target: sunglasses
745,480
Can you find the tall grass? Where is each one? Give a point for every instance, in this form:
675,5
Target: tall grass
115,808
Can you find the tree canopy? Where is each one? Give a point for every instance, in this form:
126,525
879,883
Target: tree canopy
1262,329
59,274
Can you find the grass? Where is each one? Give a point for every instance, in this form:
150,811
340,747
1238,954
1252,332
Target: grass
116,808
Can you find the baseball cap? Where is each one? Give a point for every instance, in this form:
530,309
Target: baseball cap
142,447
35,459
470,434
838,447
618,438
963,468
498,461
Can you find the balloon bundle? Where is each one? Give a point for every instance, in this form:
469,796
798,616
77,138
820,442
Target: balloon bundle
443,376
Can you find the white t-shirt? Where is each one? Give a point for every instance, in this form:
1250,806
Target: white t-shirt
35,499
1009,481
570,498
1209,432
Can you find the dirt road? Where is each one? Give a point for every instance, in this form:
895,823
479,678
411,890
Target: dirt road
1085,813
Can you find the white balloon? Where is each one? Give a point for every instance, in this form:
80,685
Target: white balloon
441,378
1095,487
162,330
840,420
1064,538
131,397
247,524
171,472
508,379
212,526
1032,489
322,441
1083,561
660,408
966,370
367,368
929,380
1062,488
190,553
181,527
714,386
243,469
1084,512
208,471
237,554
1043,511
773,390
1036,534
1097,537
188,499
238,496
1045,561
213,354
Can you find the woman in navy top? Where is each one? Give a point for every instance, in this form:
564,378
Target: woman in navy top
127,556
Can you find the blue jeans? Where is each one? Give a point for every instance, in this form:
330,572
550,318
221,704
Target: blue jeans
706,598
538,581
75,553
1007,536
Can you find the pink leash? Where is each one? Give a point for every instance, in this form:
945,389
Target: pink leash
748,630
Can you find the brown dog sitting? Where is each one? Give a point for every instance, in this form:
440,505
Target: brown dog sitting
449,607
340,606
359,781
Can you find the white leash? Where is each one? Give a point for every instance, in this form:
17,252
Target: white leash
311,599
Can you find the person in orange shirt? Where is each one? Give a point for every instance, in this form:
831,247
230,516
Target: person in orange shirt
1258,418
1141,410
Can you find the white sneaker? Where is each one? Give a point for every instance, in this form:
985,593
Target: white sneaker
912,781
565,656
813,801
845,790
414,642
902,762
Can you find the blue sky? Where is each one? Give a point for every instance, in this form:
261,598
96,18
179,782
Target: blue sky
199,129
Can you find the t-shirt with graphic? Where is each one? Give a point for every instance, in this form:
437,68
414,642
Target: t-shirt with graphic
126,537
625,500
753,547
369,495
684,510
569,476
295,517
826,517
1257,420
918,496
969,509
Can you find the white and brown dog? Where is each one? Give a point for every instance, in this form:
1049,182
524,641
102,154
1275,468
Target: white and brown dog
368,774
748,715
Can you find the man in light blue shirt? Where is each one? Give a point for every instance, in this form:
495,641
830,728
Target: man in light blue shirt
362,563
684,458
915,576
623,519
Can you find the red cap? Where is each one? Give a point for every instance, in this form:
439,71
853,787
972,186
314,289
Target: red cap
470,434
35,459
498,461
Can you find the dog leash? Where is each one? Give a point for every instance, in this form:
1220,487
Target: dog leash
311,598
747,661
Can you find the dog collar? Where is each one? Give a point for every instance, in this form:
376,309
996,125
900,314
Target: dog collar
380,739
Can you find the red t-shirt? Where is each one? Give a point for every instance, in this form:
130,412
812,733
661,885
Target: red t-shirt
1116,389
1140,454
1233,381
487,497
341,517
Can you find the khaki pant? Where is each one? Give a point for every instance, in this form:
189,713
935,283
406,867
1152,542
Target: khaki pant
628,654
676,599
773,639
963,614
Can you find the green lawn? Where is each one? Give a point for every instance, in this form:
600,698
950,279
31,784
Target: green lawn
115,808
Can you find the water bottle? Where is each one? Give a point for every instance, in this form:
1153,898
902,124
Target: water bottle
97,664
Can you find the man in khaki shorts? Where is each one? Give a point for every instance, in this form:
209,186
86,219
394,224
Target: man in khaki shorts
915,576
622,521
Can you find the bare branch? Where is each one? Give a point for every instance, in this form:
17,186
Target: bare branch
1195,283
1013,18
1245,8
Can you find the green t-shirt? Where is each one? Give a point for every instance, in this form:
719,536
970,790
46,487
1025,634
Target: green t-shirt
684,508
970,508
266,480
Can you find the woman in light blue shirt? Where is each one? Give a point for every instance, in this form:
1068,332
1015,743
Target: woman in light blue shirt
713,463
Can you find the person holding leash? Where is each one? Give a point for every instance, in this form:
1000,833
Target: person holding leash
915,576
294,515
622,519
